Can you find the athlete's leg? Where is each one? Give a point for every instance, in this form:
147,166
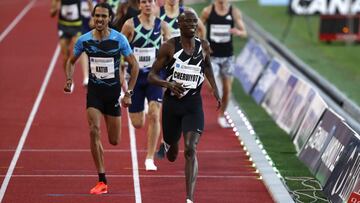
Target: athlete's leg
65,50
113,126
226,88
172,152
153,131
94,116
137,119
191,140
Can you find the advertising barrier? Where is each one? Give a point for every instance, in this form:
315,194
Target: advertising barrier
253,67
295,107
333,151
266,80
280,91
243,58
319,139
312,116
344,179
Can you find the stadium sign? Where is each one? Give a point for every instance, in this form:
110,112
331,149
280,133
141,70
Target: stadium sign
325,7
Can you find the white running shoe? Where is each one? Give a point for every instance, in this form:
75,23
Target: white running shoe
149,165
189,201
223,122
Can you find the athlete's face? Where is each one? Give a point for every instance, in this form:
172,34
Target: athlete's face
222,2
188,22
147,6
172,2
101,18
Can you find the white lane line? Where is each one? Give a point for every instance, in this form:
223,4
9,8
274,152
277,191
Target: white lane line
16,20
114,150
29,123
130,176
134,161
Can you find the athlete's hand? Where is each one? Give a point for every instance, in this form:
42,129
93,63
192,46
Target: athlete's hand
53,12
125,101
218,99
176,88
69,86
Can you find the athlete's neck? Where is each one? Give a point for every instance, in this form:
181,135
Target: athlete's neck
101,34
188,44
221,7
147,20
171,10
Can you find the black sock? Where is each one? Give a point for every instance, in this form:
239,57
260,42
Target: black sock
102,178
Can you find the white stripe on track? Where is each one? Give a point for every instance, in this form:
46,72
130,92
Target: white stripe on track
29,123
134,160
143,176
16,20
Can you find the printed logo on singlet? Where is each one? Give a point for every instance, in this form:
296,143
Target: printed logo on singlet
145,56
220,33
187,75
70,12
102,68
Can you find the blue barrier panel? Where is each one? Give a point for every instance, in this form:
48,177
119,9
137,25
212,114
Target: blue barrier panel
243,57
253,67
295,107
319,139
346,175
311,118
266,80
333,152
279,93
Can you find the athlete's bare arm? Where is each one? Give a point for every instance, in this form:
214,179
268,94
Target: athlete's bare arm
126,101
165,30
239,29
128,29
69,72
209,71
205,14
55,5
166,53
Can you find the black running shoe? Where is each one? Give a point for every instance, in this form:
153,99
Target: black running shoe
161,153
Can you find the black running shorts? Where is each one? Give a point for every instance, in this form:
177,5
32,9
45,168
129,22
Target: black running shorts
105,99
181,116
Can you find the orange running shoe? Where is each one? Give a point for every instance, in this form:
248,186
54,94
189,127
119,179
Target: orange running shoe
100,188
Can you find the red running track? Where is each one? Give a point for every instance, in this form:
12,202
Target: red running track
55,164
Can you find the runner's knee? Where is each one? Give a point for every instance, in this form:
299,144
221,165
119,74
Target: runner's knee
95,132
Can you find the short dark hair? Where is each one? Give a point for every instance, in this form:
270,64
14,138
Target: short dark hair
104,5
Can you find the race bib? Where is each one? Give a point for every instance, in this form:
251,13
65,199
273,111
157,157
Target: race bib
70,12
220,33
102,68
187,75
145,56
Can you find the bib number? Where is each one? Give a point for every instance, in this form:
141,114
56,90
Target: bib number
145,56
102,68
70,12
220,33
187,75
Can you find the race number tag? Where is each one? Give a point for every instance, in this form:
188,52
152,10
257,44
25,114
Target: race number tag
102,68
187,75
145,56
220,33
70,12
